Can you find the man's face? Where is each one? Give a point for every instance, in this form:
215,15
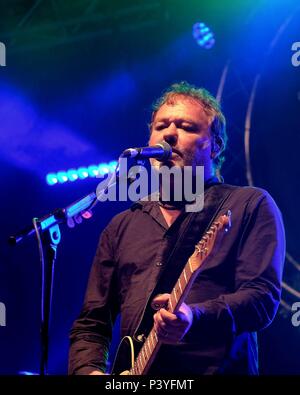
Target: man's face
186,127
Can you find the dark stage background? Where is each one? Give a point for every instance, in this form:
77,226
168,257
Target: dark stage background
79,80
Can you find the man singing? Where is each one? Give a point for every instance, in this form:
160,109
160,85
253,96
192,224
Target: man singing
143,250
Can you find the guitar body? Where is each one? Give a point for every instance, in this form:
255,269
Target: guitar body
125,356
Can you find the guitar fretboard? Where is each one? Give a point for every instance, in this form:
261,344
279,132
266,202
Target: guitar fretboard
182,286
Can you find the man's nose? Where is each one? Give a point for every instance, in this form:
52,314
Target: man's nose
171,134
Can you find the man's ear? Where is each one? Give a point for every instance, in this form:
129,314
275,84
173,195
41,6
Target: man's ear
217,145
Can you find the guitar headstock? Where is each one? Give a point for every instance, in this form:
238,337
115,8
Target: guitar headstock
210,240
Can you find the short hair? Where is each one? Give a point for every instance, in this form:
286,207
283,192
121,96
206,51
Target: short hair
210,105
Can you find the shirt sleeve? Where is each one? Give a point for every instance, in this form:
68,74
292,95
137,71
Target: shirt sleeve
91,333
258,274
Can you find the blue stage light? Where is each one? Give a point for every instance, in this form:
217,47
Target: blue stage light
62,177
93,171
51,179
81,173
113,165
203,35
26,373
72,175
103,169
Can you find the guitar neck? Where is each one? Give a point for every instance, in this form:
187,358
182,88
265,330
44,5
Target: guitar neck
152,344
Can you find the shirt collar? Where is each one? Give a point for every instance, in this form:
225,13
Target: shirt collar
147,203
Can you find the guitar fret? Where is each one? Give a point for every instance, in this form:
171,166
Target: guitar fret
188,273
150,347
179,285
137,361
147,349
184,273
153,338
144,355
190,266
150,341
170,303
175,296
140,364
143,362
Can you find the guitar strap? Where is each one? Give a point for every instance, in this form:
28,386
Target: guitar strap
180,244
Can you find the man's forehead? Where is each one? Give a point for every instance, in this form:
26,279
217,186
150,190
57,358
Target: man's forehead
182,104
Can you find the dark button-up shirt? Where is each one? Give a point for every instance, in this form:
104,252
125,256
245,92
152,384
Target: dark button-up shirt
235,295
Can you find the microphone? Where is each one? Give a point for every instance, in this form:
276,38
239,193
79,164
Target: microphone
161,151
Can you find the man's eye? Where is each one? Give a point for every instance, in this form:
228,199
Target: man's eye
159,127
189,128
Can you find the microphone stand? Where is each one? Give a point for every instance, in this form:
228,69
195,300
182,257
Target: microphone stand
48,234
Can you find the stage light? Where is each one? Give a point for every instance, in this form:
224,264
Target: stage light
203,35
103,169
51,179
93,171
72,175
62,177
113,165
81,173
26,373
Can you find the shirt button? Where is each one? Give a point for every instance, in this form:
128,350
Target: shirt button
159,263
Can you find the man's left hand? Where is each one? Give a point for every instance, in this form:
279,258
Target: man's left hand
171,328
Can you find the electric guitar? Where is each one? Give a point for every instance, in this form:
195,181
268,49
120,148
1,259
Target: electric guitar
125,360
